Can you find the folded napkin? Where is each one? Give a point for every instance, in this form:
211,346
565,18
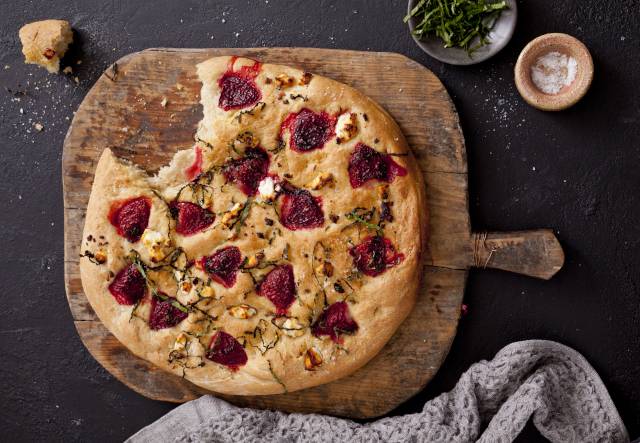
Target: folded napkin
493,400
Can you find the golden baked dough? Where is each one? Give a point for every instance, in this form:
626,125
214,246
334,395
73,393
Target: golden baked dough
350,249
45,42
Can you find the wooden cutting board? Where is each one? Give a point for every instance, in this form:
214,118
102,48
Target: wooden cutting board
123,111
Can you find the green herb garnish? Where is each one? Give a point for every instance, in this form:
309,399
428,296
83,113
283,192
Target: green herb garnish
237,225
279,147
151,284
459,23
256,108
275,377
363,217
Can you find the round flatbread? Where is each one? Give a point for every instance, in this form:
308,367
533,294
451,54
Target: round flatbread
280,252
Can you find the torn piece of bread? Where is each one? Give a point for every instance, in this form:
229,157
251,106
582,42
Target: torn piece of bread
45,42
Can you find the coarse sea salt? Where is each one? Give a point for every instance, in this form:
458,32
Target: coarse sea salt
553,71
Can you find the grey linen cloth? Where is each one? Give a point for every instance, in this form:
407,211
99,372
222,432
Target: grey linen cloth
492,402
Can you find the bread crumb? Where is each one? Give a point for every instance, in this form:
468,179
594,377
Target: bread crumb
164,102
76,79
38,127
179,86
45,42
68,70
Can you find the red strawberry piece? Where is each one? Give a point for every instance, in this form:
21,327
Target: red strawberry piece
375,255
279,287
195,169
367,164
237,92
190,217
222,266
333,321
308,130
128,286
248,171
130,217
164,314
238,89
301,210
226,350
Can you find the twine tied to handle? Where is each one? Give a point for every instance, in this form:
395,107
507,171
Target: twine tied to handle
480,246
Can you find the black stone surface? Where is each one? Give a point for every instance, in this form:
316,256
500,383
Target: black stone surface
575,171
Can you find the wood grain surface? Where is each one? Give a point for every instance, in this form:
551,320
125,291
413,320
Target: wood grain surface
123,111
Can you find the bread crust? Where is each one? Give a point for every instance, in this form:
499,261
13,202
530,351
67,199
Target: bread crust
378,304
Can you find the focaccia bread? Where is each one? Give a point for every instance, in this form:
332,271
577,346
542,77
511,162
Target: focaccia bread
280,252
45,42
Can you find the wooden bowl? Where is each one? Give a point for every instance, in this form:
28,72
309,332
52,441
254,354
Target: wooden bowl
568,95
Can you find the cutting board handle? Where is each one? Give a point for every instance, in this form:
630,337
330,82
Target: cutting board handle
534,253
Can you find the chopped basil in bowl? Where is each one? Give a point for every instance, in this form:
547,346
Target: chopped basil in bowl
461,32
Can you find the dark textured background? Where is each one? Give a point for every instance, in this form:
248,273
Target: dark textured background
575,171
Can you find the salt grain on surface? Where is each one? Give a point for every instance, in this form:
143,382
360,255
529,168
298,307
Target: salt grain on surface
553,71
